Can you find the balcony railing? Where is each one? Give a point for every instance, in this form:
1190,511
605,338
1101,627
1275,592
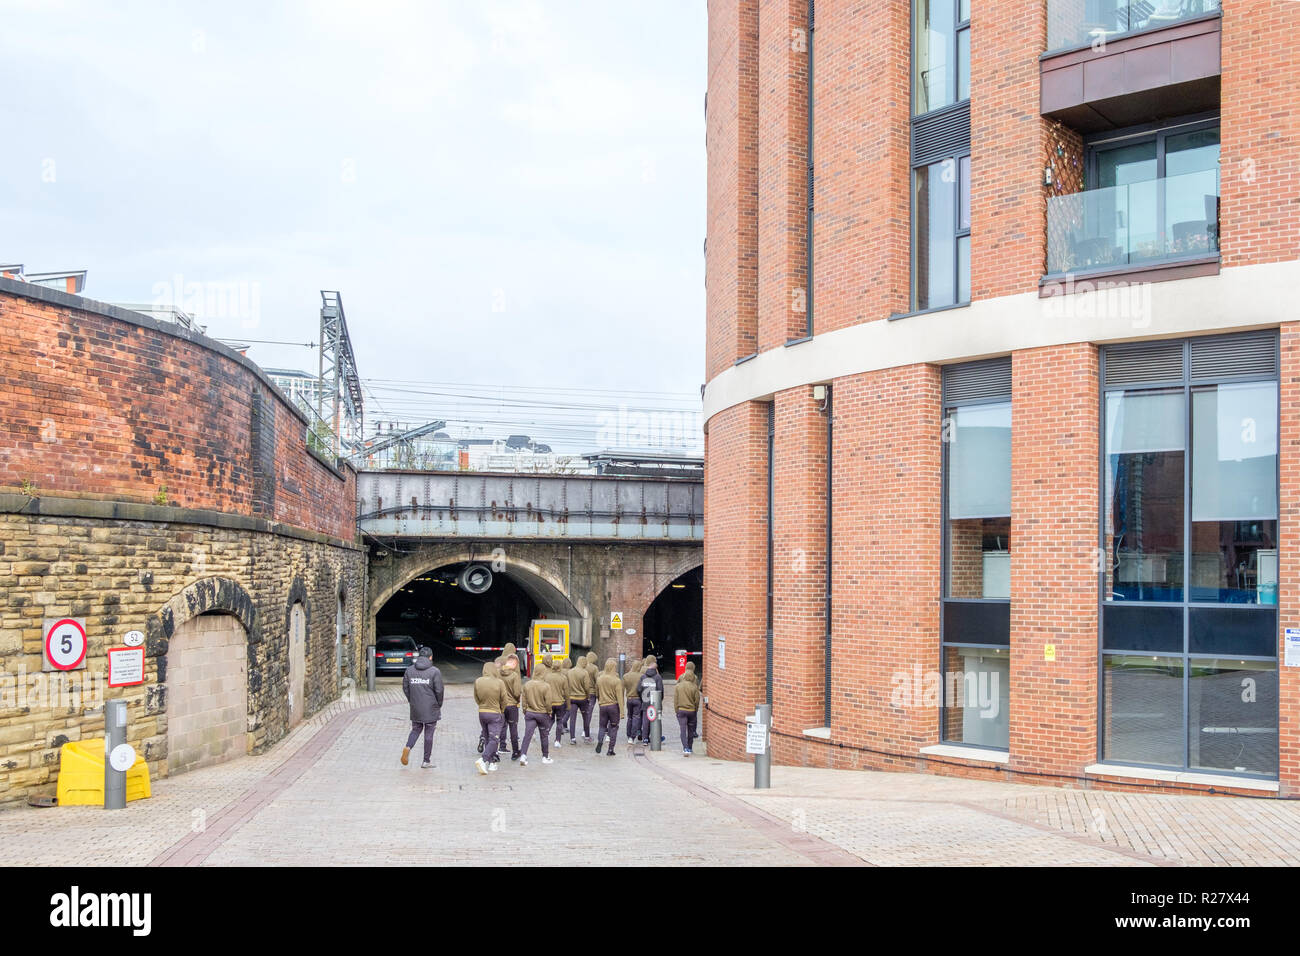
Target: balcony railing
1072,23
1138,224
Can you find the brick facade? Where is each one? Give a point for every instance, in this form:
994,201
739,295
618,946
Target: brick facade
887,547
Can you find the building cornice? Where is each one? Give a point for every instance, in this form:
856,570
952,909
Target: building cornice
1237,299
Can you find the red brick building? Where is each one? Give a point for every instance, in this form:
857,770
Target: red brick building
1003,430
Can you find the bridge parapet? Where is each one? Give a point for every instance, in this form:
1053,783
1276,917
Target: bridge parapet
530,507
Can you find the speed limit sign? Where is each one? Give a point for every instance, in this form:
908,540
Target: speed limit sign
65,643
651,713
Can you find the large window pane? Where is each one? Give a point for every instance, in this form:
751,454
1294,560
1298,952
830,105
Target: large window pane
1234,493
1233,716
977,689
1144,491
979,461
933,254
963,65
935,29
1142,714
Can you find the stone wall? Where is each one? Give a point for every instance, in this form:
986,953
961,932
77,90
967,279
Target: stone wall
153,571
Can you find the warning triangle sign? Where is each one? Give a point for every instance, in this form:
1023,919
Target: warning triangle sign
616,621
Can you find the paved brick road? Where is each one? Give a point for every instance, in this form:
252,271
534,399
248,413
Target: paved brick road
334,793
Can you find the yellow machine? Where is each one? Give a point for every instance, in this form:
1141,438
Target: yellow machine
548,637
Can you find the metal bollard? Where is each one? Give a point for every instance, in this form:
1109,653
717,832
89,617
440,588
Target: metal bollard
115,737
622,664
370,668
655,732
763,756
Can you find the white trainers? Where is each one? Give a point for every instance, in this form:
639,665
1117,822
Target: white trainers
556,745
523,760
426,766
482,767
492,768
547,760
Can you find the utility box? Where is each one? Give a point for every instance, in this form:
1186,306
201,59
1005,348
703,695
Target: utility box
81,775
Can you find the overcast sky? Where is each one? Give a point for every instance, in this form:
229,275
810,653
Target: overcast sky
504,191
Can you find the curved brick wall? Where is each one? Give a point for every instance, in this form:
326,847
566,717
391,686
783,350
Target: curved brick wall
98,401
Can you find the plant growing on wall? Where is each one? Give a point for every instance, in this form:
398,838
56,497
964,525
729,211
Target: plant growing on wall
161,497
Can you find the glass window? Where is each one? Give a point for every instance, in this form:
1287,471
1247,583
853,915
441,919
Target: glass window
941,246
977,572
940,54
977,696
1144,492
1233,716
1142,714
1234,494
1192,568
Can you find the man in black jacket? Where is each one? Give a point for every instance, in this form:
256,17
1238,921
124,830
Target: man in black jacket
650,681
422,685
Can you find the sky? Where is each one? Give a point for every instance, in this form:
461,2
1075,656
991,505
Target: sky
508,194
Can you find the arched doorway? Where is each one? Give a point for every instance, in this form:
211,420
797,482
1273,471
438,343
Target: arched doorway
675,621
297,661
207,692
433,609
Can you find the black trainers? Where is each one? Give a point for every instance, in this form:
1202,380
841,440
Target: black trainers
515,755
611,752
481,742
599,745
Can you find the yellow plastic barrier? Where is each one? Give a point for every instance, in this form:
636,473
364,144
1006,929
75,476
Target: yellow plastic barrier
81,775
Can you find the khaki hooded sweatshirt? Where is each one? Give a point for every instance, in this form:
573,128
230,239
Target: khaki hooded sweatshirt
556,682
510,676
609,689
631,678
593,670
686,696
581,686
490,691
537,695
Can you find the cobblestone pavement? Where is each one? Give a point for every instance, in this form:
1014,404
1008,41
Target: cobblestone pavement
334,793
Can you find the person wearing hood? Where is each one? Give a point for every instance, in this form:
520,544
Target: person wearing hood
686,701
538,714
422,685
609,694
632,691
650,681
489,696
514,691
581,689
559,694
593,671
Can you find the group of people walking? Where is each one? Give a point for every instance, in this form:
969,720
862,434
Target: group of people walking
552,699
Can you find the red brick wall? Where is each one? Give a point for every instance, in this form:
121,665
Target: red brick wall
1289,553
799,639
783,177
861,111
731,265
95,406
1258,160
735,558
1008,137
1054,455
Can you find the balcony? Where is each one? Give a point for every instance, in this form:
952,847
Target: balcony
1077,23
1136,227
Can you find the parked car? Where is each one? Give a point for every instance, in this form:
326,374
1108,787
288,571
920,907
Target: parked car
394,654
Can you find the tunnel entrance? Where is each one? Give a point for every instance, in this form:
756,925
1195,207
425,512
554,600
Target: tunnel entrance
675,621
435,609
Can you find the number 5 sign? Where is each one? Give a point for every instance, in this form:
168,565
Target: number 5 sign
65,644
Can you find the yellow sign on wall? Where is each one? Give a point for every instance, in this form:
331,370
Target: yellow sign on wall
616,621
1049,652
